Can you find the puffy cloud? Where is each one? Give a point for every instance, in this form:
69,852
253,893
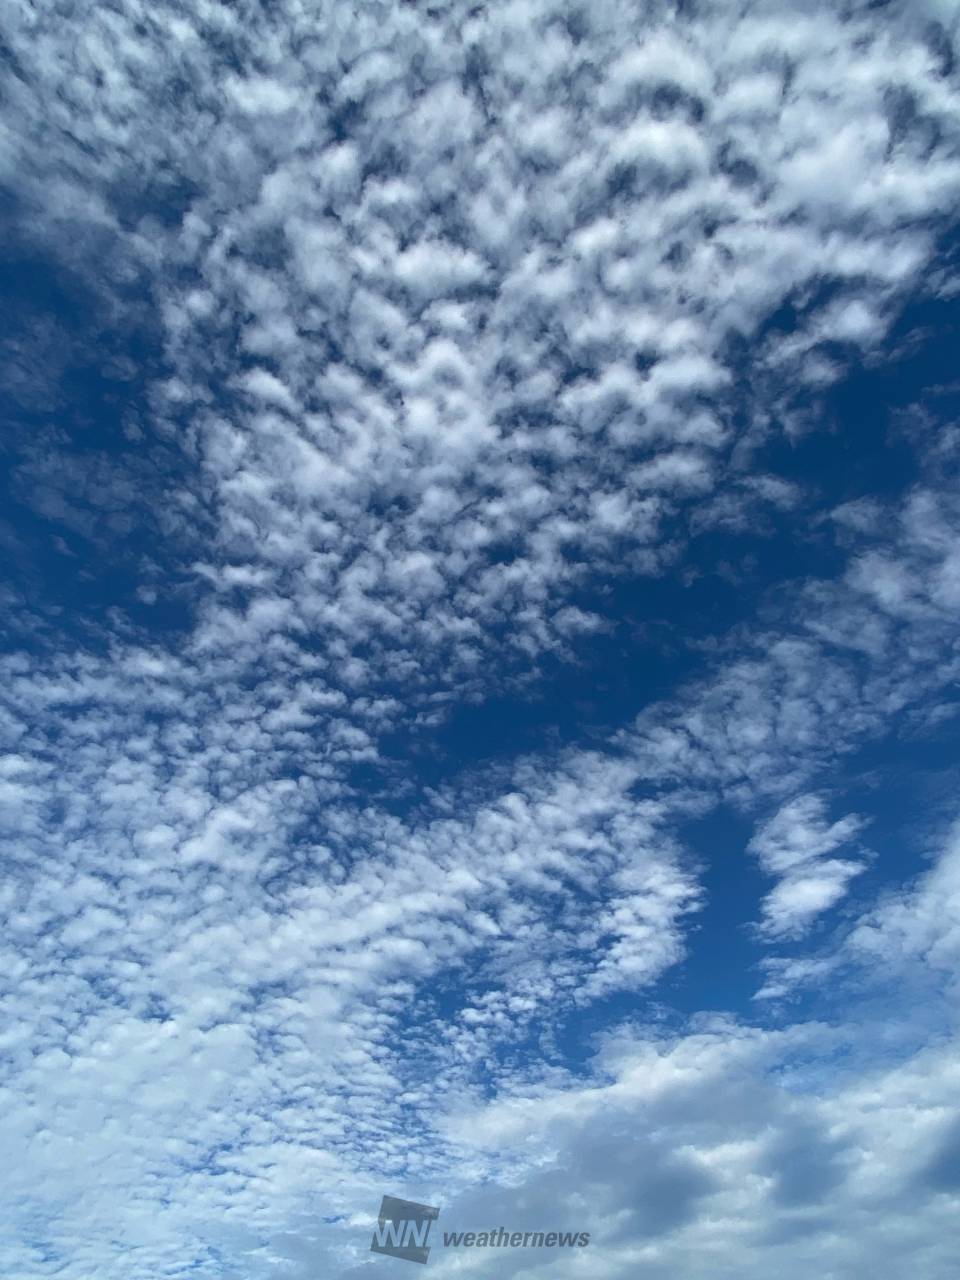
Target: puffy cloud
446,313
794,845
483,255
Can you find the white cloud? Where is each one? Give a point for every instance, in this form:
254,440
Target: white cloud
334,189
793,845
445,302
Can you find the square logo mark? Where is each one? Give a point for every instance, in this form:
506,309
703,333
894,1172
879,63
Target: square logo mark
403,1228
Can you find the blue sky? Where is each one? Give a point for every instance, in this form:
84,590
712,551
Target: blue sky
480,656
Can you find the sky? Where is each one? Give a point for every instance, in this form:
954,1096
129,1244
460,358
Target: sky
479,666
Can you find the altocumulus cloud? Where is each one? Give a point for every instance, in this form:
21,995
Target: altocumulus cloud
479,683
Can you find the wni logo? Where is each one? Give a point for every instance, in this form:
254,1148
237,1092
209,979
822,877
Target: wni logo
402,1229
